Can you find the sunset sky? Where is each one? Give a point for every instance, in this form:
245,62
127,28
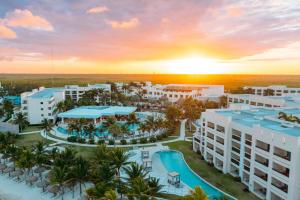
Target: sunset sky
150,36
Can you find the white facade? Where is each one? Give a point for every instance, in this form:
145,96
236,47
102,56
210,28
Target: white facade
278,90
75,92
174,92
40,104
264,101
256,146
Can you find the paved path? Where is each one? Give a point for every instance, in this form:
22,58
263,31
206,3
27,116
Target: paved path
59,141
30,132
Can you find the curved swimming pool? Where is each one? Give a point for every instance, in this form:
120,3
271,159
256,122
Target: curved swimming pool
174,161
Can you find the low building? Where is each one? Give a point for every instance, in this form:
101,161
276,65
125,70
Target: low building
175,92
75,92
274,90
254,145
41,103
264,101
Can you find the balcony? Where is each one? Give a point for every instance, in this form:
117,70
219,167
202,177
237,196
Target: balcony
281,170
247,142
261,174
220,140
210,135
261,160
280,185
237,138
282,153
263,146
260,190
210,146
220,129
235,149
235,161
248,156
211,125
247,168
219,151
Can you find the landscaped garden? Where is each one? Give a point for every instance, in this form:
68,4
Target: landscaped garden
222,181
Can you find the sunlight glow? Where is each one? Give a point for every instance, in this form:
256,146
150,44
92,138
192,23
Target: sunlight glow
195,65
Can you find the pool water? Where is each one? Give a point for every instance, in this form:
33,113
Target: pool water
173,161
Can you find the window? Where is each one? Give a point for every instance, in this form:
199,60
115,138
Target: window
42,103
49,114
49,108
42,115
42,108
211,125
220,129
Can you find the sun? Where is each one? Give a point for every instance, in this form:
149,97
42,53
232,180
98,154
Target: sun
194,65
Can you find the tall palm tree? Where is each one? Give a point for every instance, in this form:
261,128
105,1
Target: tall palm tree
26,160
196,194
21,120
119,159
115,130
73,126
80,171
81,123
90,130
47,125
59,175
60,107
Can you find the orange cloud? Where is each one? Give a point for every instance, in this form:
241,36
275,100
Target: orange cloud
133,22
25,19
99,9
7,33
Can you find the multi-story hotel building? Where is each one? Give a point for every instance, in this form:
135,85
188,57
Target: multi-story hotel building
274,90
75,92
255,145
264,101
174,92
40,103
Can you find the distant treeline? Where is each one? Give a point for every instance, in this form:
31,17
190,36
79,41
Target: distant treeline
23,82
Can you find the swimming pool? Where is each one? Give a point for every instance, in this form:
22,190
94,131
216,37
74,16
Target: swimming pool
174,161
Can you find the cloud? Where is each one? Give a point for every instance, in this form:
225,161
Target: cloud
25,19
7,33
99,9
133,22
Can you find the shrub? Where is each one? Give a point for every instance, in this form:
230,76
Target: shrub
101,141
237,179
91,141
143,140
111,142
133,141
153,139
72,139
81,140
164,135
123,142
159,137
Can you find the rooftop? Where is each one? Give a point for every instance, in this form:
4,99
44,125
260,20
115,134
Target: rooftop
46,93
93,112
266,118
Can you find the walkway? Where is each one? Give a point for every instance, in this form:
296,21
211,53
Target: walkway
59,141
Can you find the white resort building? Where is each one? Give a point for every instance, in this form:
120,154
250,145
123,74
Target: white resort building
174,92
255,145
264,101
75,92
275,90
40,103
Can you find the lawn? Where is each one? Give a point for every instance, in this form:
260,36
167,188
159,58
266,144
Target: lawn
31,139
32,128
210,174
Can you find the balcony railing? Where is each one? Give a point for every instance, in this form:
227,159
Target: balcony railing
236,137
264,148
286,157
265,163
220,141
262,176
248,142
283,187
235,161
247,155
285,172
235,149
247,168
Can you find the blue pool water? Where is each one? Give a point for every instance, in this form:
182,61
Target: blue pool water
173,161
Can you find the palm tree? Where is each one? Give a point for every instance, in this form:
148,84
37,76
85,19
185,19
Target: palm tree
81,123
90,129
73,127
150,123
21,120
8,107
14,153
119,159
132,119
154,185
99,190
47,125
26,160
40,156
115,130
134,170
197,194
59,175
110,195
60,107
80,171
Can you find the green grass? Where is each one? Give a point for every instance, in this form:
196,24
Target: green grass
32,128
224,182
31,139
